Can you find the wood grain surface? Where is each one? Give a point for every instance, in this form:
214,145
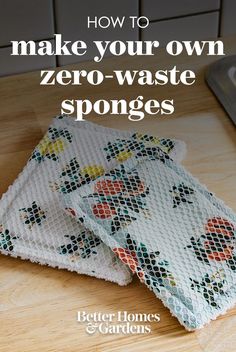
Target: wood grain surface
39,304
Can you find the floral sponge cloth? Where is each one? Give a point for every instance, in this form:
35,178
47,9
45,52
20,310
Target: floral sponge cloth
169,230
33,225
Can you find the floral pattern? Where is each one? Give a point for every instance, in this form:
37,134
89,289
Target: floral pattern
70,211
217,244
119,197
80,246
32,215
52,144
145,264
139,145
6,239
211,287
181,194
73,176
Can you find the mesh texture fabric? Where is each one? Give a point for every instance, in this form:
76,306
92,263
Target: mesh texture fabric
71,154
169,230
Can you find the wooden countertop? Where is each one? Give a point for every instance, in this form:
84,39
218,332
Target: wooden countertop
39,304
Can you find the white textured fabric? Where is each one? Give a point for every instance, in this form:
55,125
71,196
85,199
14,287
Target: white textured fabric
33,225
169,230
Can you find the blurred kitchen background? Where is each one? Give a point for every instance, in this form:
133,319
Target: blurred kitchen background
170,19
